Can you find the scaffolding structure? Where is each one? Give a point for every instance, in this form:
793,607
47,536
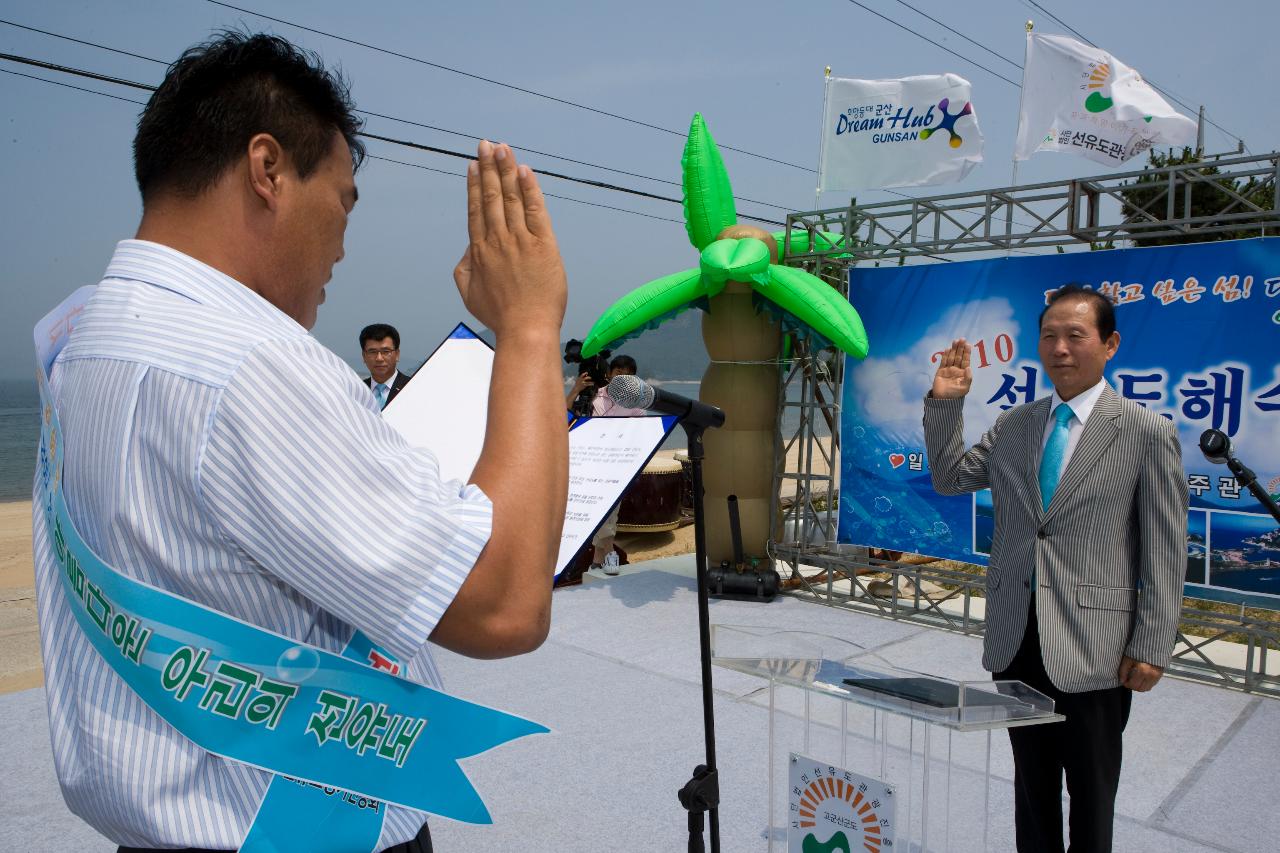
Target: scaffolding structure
1183,203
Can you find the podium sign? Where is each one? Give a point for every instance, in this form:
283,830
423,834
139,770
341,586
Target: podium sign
834,809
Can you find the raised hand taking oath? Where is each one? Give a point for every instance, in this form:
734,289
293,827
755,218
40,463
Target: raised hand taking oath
954,375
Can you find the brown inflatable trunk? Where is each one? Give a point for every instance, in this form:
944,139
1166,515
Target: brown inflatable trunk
742,379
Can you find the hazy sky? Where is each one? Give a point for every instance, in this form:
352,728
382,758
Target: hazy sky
754,69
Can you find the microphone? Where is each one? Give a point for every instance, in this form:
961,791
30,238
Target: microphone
1215,446
634,393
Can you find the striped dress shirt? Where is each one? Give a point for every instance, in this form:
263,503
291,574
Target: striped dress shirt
214,449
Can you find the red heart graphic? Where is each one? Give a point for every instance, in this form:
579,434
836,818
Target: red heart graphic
896,459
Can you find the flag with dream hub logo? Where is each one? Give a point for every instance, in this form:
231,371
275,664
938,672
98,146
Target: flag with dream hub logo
910,132
1083,100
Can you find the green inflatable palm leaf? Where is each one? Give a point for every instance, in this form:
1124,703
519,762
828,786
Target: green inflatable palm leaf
646,307
818,305
824,241
708,196
708,209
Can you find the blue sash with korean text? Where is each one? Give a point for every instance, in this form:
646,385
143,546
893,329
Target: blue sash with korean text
344,735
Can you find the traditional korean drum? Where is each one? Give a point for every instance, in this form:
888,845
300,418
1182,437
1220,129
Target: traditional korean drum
686,484
652,503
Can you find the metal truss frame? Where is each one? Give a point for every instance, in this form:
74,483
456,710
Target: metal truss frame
1035,218
1061,213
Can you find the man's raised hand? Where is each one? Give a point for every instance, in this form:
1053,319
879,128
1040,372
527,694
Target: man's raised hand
954,375
511,274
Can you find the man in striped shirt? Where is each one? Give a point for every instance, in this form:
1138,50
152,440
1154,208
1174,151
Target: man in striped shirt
216,450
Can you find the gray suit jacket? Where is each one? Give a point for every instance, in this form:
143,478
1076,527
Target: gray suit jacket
1109,554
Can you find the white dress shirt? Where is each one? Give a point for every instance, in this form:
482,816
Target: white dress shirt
391,380
213,448
1081,406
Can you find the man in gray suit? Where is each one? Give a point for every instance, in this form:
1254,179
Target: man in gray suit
1087,561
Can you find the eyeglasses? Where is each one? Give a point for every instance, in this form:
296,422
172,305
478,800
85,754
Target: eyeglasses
385,353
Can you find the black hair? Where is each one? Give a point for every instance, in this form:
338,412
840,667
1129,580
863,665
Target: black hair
624,362
219,94
378,331
1104,312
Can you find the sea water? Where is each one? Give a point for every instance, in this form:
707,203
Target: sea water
19,437
20,431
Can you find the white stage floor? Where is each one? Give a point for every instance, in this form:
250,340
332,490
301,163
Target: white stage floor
617,682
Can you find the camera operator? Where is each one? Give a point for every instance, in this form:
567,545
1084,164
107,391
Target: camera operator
594,374
603,406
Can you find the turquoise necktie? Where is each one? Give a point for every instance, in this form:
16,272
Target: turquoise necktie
381,390
1054,453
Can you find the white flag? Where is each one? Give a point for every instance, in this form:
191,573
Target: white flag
898,133
1082,99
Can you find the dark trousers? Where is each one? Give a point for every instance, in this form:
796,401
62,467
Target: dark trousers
1087,747
421,844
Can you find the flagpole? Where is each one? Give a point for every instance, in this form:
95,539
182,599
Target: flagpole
1022,93
822,143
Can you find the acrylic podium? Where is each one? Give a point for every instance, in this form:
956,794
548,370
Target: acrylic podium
864,755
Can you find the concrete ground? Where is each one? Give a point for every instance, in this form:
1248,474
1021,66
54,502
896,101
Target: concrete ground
618,684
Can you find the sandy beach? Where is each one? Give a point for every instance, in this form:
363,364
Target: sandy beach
19,642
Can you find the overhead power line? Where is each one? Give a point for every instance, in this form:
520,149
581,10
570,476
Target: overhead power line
586,181
527,150
920,35
78,72
493,82
979,44
438,129
1170,95
406,143
362,112
79,41
402,142
69,86
398,162
1161,90
547,194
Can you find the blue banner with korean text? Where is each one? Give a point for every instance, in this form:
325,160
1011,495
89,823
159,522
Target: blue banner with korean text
1200,344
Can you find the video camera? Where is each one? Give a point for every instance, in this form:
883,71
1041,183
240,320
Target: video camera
596,366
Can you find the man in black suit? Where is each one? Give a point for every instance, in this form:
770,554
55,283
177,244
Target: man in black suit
380,348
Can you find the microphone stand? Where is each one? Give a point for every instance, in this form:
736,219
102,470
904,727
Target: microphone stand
1245,477
701,794
1216,447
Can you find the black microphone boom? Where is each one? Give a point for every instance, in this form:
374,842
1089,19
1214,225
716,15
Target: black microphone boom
634,393
1216,447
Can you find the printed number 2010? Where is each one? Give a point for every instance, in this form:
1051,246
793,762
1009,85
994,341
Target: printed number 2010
1001,347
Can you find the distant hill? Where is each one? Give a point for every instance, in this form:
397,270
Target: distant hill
671,352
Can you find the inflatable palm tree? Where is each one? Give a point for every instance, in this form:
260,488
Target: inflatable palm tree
748,300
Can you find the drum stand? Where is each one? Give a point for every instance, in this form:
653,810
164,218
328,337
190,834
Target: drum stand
702,792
